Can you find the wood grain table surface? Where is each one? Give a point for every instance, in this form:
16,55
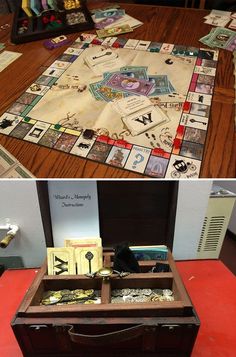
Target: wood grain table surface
163,24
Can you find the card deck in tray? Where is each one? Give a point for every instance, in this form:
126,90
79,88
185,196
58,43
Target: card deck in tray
50,22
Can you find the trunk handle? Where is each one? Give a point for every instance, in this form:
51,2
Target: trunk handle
107,338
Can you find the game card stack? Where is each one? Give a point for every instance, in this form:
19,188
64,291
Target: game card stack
139,114
81,256
114,17
129,80
218,18
220,37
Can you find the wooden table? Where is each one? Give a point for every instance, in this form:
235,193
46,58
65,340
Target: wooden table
164,24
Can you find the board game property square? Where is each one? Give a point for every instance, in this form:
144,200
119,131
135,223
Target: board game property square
74,95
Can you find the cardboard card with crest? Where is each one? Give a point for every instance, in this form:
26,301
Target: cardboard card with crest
61,261
88,260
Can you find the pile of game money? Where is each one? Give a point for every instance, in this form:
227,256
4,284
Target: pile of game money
113,16
130,80
220,37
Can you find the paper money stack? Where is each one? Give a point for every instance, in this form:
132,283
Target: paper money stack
111,17
220,37
130,80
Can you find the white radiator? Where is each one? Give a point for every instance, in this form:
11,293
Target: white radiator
215,224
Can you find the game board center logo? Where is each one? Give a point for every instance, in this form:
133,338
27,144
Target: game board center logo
182,167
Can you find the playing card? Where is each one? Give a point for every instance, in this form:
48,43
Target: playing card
144,120
88,260
111,65
83,242
132,85
113,31
60,261
100,57
131,104
217,20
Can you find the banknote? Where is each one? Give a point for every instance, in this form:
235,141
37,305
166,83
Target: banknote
107,21
132,85
113,31
109,13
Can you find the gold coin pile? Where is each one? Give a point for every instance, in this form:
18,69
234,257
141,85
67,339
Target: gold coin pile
69,297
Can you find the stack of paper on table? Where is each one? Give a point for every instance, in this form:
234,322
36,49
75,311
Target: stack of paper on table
113,18
10,167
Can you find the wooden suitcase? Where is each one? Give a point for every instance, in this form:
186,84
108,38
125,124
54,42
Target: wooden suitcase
166,328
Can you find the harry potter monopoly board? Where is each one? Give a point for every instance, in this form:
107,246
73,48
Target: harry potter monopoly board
138,105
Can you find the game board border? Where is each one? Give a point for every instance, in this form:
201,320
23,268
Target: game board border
84,41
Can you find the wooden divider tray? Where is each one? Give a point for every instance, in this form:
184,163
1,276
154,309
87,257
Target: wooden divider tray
181,306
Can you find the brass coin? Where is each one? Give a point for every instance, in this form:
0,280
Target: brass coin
89,302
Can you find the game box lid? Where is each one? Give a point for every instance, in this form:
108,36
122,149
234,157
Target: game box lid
136,212
44,21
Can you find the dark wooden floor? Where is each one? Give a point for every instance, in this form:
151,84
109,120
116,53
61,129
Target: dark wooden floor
228,252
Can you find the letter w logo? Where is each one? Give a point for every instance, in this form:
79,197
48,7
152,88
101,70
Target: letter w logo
62,266
144,119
